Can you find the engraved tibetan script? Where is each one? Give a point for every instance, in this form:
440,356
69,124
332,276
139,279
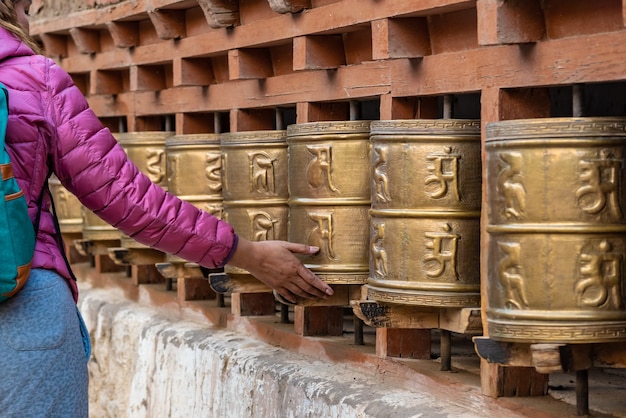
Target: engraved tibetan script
442,247
511,185
444,169
262,176
154,158
381,182
262,226
319,172
321,235
510,275
379,255
600,285
213,171
600,190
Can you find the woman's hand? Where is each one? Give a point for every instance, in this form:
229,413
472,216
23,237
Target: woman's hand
274,263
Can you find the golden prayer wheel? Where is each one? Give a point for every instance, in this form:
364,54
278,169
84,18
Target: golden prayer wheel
147,151
425,218
556,242
194,172
329,198
67,206
255,185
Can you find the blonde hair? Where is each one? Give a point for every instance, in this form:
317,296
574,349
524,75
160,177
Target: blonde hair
8,20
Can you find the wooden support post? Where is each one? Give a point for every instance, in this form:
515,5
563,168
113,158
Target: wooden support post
318,52
124,34
497,381
318,320
392,108
73,256
252,304
403,343
145,274
509,22
87,40
317,112
194,288
400,38
168,23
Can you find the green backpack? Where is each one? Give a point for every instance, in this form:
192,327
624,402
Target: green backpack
17,234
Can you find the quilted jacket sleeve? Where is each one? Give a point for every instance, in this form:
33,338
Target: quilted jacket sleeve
90,163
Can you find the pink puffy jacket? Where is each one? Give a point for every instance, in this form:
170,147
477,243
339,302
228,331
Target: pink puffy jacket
52,128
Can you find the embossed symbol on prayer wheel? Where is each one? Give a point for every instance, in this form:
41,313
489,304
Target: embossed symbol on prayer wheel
147,151
68,207
194,172
425,217
556,242
330,197
255,185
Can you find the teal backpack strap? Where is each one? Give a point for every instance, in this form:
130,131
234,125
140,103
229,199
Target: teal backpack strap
17,233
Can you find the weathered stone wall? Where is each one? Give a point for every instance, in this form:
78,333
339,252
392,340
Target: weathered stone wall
146,365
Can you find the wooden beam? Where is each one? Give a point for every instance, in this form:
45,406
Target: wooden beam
54,45
250,63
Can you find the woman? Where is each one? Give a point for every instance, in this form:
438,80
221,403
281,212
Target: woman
51,128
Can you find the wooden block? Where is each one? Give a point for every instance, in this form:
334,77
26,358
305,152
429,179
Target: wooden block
403,343
525,103
357,46
509,22
466,321
110,81
316,112
192,72
87,40
250,63
124,34
220,13
55,45
145,274
242,120
168,23
400,38
318,52
252,304
379,315
497,381
343,296
126,256
237,283
508,354
147,77
318,320
194,289
547,357
289,6
104,264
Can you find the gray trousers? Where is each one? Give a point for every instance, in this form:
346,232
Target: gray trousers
44,348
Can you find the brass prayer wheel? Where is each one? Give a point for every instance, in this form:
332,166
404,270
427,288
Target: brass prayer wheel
425,218
147,151
194,172
556,242
330,198
255,185
67,206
